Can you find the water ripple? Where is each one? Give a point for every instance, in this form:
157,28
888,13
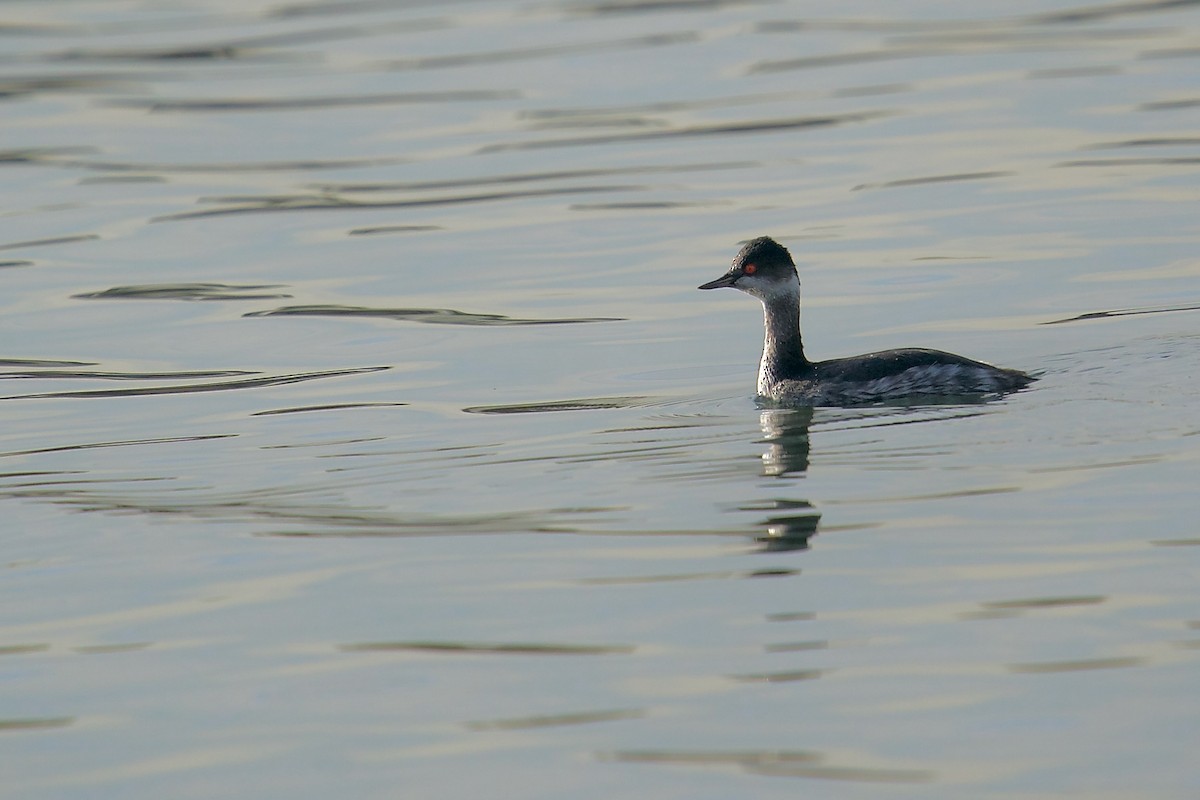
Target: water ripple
321,202
308,103
1121,312
327,407
525,177
484,648
433,316
83,237
40,362
548,51
687,131
186,291
118,443
121,376
191,388
963,176
581,404
221,167
35,723
783,763
614,7
555,720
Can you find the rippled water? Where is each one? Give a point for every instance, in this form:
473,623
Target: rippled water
364,434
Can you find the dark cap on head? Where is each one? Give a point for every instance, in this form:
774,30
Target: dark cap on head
762,256
763,251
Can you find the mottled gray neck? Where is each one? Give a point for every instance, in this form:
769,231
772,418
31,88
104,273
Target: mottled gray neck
783,351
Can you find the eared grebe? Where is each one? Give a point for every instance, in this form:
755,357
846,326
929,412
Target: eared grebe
764,269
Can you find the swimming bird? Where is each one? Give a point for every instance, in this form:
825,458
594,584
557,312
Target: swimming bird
764,269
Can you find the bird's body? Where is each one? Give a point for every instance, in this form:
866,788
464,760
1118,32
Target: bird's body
765,270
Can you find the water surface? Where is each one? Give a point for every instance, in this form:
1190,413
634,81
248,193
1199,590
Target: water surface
363,432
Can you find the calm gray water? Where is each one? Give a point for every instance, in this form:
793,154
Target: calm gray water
364,434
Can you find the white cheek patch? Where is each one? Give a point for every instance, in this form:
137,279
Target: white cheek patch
769,291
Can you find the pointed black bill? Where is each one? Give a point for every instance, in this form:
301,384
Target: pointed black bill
728,279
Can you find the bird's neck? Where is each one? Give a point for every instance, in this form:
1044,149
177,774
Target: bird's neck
783,350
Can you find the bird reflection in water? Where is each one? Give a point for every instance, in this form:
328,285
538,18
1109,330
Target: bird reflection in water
785,432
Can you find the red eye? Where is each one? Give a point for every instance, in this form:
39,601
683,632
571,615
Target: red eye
750,269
